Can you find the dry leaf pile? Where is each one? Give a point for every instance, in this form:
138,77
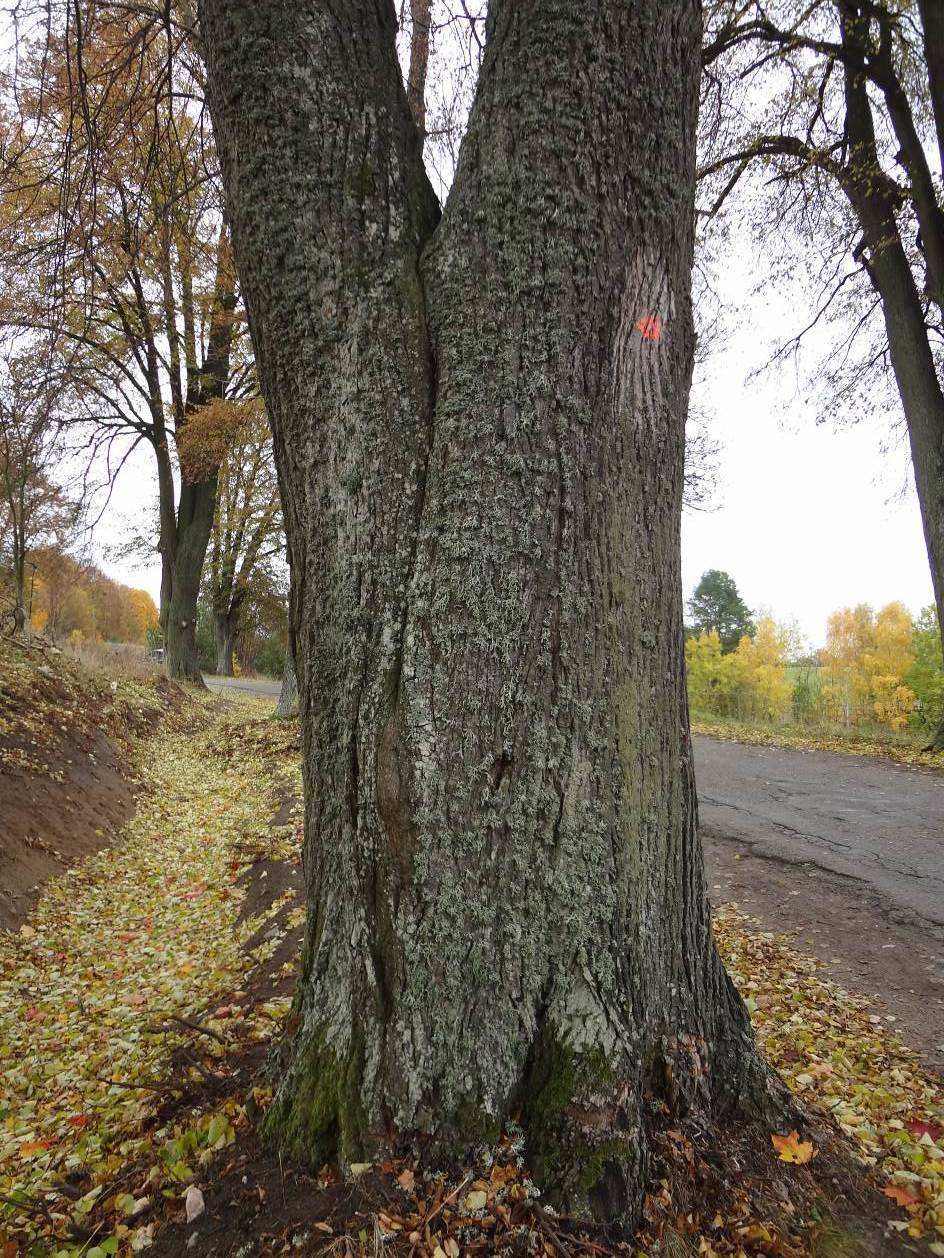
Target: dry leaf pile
850,742
840,1057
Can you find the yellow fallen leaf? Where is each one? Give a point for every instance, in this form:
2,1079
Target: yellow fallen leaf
792,1149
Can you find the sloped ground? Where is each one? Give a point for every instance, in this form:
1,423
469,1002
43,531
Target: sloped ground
138,1004
65,786
124,992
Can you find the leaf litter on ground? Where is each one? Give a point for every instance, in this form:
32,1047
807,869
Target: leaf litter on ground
110,977
836,1053
127,957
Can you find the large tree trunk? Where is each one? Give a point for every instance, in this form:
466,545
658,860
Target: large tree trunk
480,431
287,705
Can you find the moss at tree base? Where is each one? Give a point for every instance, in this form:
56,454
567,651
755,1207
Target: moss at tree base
585,1141
317,1115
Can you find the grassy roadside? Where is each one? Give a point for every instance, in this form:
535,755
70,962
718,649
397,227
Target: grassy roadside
902,749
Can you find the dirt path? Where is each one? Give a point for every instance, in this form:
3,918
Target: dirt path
845,853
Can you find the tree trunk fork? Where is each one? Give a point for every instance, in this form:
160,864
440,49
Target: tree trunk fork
479,426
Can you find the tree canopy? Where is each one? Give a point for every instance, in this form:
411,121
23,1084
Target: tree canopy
717,607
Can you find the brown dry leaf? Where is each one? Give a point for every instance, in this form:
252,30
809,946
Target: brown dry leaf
406,1179
792,1149
901,1195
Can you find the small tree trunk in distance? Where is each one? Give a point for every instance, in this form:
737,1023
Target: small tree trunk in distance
19,590
480,430
287,705
195,516
420,15
197,503
225,633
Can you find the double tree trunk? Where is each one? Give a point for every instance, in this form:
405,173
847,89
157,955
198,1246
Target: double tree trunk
479,425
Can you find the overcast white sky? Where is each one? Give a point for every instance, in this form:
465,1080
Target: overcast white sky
811,517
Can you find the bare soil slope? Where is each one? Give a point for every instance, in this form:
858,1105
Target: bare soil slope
65,782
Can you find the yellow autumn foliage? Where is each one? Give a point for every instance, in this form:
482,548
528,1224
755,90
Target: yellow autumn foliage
750,682
865,661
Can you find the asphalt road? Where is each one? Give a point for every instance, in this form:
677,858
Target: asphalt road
265,687
864,819
870,820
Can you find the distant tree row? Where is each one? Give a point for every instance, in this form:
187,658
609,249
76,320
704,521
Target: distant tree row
877,669
117,266
65,598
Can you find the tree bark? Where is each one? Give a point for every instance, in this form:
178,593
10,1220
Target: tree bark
909,349
19,581
225,635
480,429
197,503
420,15
287,705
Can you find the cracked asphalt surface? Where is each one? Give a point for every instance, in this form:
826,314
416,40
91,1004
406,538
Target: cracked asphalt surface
872,820
844,852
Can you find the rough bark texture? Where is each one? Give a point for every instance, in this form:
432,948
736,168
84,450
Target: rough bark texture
420,15
479,427
287,705
224,632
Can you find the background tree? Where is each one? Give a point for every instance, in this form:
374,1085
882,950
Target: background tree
925,678
123,257
247,533
486,591
866,661
716,606
841,104
33,507
287,706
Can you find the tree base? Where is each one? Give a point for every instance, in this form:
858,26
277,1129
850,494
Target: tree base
589,1132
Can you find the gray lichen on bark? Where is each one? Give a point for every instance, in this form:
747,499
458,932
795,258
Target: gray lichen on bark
479,425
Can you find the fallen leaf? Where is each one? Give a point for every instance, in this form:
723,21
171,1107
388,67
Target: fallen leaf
792,1149
193,1203
901,1195
918,1127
